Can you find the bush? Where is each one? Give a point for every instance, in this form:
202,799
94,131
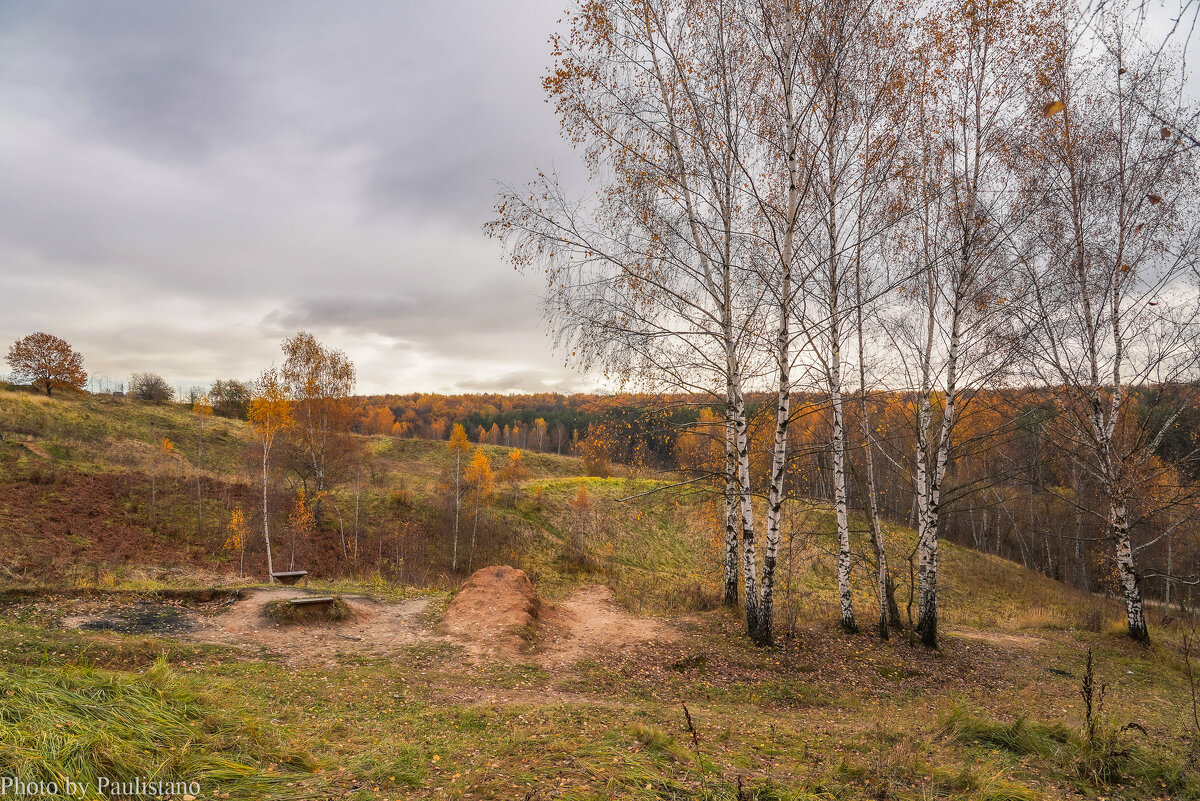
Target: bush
150,387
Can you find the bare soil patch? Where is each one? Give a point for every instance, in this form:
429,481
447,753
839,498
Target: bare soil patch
1002,639
496,616
589,622
376,628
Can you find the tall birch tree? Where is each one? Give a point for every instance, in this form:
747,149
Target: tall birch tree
1109,257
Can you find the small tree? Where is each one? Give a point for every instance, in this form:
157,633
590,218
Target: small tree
236,541
300,521
458,445
150,387
319,381
162,453
203,411
46,361
515,472
269,413
230,398
482,482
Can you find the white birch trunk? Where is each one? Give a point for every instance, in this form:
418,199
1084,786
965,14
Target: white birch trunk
266,515
849,624
457,509
1135,611
746,505
731,515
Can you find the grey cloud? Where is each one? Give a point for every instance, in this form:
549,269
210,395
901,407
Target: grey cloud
527,381
485,319
187,182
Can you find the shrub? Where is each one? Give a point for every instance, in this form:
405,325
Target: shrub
150,387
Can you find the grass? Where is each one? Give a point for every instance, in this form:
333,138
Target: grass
86,725
99,433
1111,757
822,716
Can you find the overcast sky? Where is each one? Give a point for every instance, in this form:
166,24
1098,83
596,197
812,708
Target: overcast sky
183,184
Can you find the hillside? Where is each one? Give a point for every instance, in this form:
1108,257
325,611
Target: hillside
587,702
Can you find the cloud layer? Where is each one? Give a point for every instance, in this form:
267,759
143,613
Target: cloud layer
185,184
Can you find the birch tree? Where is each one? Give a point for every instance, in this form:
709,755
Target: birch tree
682,272
270,413
202,408
459,446
1109,257
481,480
319,381
952,331
645,277
854,63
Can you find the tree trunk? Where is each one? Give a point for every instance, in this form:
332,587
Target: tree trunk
474,529
457,508
731,516
845,599
1135,611
266,515
746,503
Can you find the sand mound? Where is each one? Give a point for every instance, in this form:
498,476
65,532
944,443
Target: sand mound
496,611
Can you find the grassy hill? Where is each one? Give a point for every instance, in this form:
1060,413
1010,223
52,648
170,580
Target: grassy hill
995,714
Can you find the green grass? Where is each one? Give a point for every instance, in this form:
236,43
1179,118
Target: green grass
98,433
823,716
85,724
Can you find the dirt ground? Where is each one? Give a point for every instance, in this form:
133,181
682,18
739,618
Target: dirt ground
589,622
495,618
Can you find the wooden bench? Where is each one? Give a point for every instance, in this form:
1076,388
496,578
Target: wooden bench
290,577
323,601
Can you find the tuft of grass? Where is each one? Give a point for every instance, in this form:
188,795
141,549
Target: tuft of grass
84,724
286,613
1021,737
1040,617
404,767
1110,758
654,740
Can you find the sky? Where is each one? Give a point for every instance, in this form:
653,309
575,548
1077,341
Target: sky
185,184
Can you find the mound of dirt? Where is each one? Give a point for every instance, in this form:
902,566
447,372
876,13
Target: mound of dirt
496,612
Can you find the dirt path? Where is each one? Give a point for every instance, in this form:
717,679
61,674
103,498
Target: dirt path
1002,639
377,628
589,623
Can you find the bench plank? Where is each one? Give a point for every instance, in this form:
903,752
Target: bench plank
307,601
